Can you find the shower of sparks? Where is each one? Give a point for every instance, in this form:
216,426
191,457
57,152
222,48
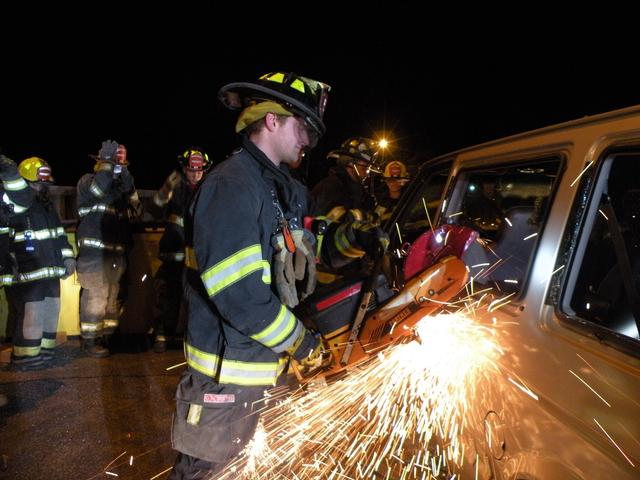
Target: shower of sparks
590,388
399,415
614,443
603,214
508,221
581,173
530,236
524,389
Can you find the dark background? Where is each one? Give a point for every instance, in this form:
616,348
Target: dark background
152,86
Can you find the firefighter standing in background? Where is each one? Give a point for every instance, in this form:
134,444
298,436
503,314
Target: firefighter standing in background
344,188
171,202
16,198
395,177
107,201
44,256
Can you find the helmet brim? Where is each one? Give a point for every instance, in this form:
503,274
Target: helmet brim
235,95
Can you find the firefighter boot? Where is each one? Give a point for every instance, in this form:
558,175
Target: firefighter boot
93,347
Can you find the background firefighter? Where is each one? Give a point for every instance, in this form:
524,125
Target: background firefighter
170,202
43,256
107,202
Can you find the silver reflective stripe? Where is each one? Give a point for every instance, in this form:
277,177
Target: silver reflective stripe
110,323
46,272
5,230
177,256
279,330
43,234
6,279
95,243
160,202
17,208
176,219
14,185
95,189
90,327
99,207
67,253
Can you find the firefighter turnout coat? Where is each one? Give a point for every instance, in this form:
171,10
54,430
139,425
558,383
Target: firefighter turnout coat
105,201
238,330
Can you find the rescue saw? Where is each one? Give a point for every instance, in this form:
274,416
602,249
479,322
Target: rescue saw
435,274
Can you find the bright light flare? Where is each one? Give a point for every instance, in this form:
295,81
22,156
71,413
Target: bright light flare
398,415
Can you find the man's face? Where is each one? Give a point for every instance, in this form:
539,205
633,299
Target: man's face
293,141
193,176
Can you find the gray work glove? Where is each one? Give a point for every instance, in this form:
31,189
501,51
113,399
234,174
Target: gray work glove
8,168
69,266
109,151
284,272
290,267
304,260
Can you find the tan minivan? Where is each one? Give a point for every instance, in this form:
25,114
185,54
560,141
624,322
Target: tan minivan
558,212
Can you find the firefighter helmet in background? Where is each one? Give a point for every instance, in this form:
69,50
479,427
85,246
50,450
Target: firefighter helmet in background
356,150
194,159
395,169
35,169
299,95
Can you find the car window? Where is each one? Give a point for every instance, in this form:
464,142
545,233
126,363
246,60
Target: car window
602,288
507,206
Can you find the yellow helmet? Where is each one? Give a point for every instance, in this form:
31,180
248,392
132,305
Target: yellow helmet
395,169
35,169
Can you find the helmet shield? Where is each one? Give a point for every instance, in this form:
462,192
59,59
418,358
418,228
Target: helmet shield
194,159
35,169
357,150
302,96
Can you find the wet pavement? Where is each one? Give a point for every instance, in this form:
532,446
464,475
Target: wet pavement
83,417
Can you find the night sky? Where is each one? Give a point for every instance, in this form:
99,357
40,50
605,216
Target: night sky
156,93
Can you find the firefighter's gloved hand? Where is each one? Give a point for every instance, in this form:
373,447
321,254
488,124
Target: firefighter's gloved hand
69,267
8,168
284,272
369,237
304,263
314,359
109,151
166,190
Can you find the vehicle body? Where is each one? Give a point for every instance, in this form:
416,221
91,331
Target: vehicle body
565,255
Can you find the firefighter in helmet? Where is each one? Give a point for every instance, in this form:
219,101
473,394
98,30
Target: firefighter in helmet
107,203
43,256
346,186
170,202
395,177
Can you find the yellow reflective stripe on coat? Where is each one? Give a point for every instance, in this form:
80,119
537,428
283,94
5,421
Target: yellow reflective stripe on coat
344,246
96,243
43,234
233,371
14,185
95,189
232,269
285,326
98,207
46,272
